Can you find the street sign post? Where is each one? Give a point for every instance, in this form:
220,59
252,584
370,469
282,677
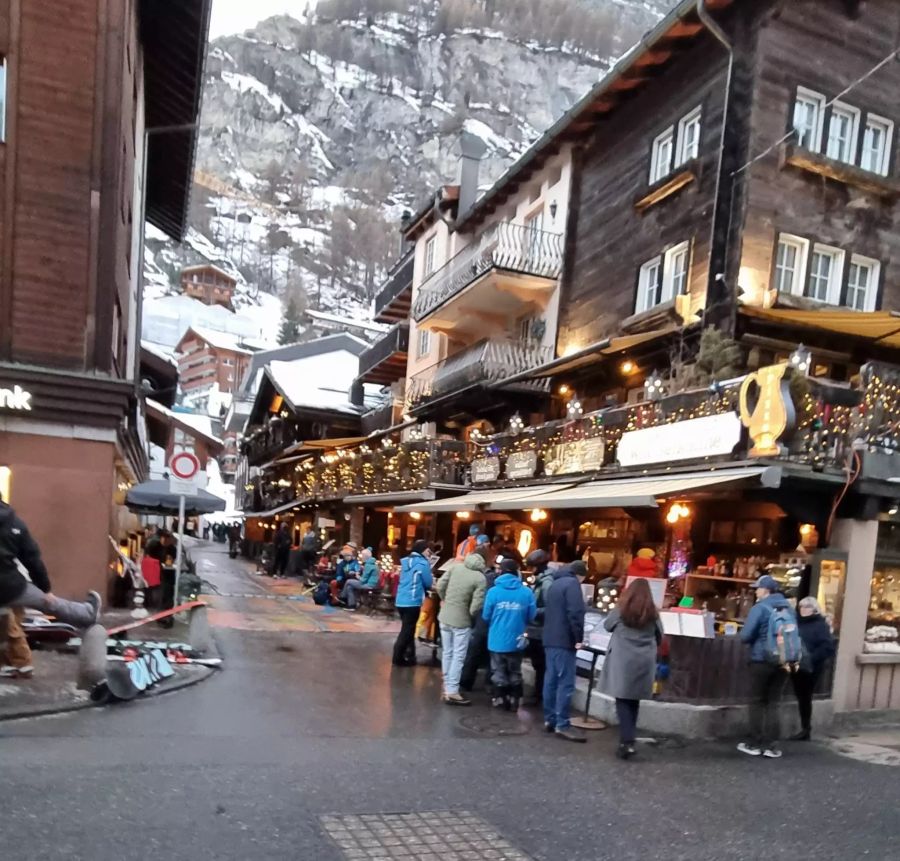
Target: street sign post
184,480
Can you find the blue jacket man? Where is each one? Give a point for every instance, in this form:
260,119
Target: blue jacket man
508,609
415,580
767,680
563,631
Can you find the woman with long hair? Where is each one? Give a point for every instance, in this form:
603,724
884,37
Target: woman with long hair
630,667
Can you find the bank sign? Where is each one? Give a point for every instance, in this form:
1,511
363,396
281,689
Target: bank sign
15,398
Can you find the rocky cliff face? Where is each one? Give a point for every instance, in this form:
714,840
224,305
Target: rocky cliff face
318,133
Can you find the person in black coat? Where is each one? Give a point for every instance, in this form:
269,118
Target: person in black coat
818,649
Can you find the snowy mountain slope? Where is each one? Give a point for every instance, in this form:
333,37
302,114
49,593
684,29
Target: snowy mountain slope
318,133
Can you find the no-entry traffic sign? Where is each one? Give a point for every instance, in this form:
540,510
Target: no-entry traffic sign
184,465
184,474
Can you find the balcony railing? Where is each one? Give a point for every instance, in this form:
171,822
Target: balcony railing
487,362
381,418
511,247
399,280
385,361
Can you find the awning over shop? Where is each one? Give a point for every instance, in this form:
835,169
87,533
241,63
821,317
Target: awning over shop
279,510
882,327
483,498
636,492
397,497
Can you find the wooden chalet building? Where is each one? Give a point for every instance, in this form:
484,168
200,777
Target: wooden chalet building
90,93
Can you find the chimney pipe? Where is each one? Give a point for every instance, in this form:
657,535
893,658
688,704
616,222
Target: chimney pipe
472,149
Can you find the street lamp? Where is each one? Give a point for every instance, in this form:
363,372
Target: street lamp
653,387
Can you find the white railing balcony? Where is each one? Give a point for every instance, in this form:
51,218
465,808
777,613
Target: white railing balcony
506,247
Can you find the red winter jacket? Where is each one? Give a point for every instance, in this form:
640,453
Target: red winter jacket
640,567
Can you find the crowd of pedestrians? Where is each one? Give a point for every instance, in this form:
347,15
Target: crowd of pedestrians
488,613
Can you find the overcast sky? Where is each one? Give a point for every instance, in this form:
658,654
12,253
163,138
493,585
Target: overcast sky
235,16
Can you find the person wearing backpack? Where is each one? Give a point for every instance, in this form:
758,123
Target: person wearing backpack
539,563
415,581
776,650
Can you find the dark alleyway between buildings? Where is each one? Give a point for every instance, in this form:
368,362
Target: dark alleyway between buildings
308,744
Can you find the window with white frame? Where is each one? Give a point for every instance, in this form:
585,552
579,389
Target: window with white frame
424,345
843,130
790,264
661,156
688,137
649,281
825,274
675,271
862,283
878,139
809,115
430,247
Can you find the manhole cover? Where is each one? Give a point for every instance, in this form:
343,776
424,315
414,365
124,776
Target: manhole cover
494,724
443,835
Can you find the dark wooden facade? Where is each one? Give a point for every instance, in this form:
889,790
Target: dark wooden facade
821,46
732,214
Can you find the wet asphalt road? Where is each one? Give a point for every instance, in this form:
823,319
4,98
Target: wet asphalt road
305,724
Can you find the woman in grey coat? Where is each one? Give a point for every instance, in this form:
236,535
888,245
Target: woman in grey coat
630,667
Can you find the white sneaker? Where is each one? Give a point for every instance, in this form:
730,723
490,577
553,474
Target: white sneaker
10,672
773,753
749,749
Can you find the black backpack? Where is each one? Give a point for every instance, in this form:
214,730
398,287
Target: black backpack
322,594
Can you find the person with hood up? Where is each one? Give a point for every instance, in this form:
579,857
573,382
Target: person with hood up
508,609
563,633
644,564
461,591
415,581
767,679
468,544
538,561
18,550
630,667
818,648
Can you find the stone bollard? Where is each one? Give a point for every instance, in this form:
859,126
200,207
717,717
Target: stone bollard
92,657
199,634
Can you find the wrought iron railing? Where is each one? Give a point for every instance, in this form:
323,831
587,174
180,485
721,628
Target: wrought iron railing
512,247
487,362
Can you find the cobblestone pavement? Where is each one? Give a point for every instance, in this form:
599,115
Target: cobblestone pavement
445,835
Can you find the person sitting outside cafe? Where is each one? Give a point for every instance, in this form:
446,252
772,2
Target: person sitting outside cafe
367,580
347,569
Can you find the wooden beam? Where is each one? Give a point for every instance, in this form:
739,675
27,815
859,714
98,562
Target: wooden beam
684,30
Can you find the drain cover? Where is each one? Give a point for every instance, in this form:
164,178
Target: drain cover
494,724
442,835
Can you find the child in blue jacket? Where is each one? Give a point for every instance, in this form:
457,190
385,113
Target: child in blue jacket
508,609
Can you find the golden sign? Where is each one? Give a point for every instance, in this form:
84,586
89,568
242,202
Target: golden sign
769,412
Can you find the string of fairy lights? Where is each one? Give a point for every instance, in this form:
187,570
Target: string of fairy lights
825,433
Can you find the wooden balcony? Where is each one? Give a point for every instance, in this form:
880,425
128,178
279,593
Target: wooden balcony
508,272
393,299
385,361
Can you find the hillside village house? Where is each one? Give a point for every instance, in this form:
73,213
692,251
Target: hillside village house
209,284
207,358
718,178
87,98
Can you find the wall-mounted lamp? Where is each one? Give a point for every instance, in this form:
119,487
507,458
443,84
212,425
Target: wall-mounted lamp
628,367
553,209
801,359
574,409
516,424
653,387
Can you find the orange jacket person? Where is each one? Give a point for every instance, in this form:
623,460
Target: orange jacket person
467,545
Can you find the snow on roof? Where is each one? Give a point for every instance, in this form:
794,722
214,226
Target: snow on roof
365,325
200,424
160,351
318,382
224,340
198,267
